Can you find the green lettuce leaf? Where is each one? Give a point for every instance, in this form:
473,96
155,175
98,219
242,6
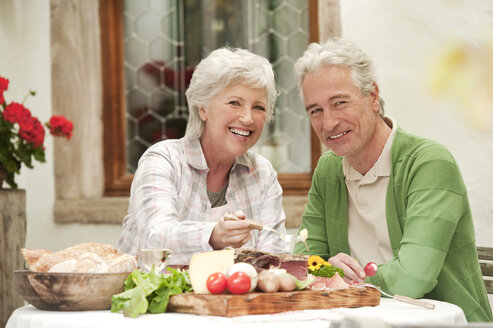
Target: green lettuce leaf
150,292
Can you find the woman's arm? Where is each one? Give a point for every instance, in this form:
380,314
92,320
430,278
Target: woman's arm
271,214
155,205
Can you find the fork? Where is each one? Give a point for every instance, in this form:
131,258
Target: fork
413,301
255,225
287,238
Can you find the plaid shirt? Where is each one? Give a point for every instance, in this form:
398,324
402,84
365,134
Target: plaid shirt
169,204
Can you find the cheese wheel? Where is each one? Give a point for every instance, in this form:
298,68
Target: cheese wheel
202,265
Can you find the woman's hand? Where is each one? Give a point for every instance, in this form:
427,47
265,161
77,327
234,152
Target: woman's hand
353,272
230,233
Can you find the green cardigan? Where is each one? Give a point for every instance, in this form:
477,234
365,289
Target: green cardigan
428,219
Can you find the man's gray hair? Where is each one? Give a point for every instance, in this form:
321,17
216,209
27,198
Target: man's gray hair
222,68
340,52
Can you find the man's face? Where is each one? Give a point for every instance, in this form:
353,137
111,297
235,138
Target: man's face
342,117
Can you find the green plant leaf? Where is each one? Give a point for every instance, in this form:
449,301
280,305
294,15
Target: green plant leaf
39,154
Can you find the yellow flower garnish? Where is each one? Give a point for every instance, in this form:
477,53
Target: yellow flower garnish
317,266
315,262
313,268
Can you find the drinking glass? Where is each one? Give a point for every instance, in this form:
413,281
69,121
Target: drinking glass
149,255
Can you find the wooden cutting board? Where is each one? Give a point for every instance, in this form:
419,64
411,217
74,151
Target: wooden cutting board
265,303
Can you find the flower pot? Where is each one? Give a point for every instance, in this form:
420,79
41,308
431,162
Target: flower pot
12,239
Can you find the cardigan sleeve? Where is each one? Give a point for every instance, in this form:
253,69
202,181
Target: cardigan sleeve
433,200
314,218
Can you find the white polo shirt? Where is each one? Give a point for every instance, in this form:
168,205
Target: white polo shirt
367,224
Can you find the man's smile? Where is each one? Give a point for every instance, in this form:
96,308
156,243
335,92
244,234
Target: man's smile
336,136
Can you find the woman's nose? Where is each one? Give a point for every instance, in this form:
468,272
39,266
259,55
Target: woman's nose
246,115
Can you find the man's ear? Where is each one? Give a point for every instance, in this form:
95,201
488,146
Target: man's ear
203,113
375,98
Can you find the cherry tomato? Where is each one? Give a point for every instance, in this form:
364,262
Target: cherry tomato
216,283
370,269
239,283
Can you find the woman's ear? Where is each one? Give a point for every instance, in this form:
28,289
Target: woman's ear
203,114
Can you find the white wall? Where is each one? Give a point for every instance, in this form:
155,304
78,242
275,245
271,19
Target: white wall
25,61
400,35
404,38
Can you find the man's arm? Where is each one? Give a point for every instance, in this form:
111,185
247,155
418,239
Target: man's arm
435,199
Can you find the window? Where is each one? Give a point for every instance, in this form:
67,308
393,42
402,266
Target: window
149,52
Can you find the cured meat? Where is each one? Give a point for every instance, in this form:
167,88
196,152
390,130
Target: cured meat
265,262
247,255
296,268
295,264
334,282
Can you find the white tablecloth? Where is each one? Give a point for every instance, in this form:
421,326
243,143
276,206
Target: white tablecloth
389,311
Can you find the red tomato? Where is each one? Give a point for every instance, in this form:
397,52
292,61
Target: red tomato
239,283
216,283
370,269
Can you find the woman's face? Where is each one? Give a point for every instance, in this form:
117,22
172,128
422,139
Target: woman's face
234,121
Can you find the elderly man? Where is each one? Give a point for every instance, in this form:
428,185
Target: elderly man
381,194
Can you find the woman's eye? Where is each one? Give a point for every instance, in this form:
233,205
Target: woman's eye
260,108
234,103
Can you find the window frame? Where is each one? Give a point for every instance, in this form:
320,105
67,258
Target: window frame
117,179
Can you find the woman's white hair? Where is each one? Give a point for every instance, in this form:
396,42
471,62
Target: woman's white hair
342,52
225,67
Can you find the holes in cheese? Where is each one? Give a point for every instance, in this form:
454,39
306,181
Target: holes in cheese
202,265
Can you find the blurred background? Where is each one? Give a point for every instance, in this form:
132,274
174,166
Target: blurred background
118,70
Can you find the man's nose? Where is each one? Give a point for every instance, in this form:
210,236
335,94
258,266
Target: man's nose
330,121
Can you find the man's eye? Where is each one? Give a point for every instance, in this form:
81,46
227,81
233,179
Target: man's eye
340,103
315,111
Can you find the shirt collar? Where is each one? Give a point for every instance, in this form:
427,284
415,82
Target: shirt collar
195,156
382,166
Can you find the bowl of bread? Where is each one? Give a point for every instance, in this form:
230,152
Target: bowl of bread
79,278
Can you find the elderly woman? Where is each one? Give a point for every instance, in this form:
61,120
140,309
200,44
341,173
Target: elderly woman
183,187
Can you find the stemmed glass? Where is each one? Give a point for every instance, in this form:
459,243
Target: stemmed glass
149,255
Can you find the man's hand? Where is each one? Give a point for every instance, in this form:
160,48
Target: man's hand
353,272
230,233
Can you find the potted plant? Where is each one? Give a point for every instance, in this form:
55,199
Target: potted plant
22,136
21,142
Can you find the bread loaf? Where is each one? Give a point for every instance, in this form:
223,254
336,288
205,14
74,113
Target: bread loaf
89,257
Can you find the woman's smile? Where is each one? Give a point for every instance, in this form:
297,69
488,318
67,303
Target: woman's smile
234,121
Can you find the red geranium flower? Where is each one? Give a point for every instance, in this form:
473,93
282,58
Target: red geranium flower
61,127
15,113
4,84
22,135
34,132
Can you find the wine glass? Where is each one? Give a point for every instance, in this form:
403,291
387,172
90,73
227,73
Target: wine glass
149,255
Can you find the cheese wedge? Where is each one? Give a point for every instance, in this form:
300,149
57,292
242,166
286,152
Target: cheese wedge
202,265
